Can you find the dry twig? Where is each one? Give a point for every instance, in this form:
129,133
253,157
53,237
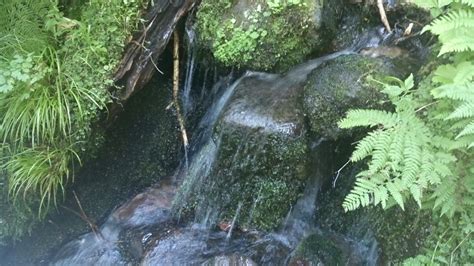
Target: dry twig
176,89
383,15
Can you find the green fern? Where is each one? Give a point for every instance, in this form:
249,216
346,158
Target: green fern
455,28
401,152
22,26
421,150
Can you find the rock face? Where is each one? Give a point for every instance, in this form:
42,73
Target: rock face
264,35
262,154
230,260
348,82
317,249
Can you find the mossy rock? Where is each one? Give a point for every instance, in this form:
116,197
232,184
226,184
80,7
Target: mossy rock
264,35
15,220
317,249
261,162
348,82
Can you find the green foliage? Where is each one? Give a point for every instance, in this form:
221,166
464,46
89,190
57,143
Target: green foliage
54,79
22,26
42,170
404,158
257,34
422,150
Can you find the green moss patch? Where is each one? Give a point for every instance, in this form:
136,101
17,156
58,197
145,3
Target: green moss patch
265,35
345,83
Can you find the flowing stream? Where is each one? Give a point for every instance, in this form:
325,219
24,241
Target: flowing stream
151,229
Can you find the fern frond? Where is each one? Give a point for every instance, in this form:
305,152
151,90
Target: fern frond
402,157
468,2
457,40
465,110
469,129
360,195
365,147
454,30
464,73
462,18
454,92
411,160
22,25
359,117
380,154
394,188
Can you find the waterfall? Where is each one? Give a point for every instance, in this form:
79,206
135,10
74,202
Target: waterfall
190,66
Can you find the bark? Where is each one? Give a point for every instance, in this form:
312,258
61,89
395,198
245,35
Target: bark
138,63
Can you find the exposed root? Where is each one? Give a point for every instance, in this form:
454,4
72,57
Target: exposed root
176,90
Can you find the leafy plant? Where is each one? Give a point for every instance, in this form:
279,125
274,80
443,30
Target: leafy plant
403,152
423,149
43,171
54,79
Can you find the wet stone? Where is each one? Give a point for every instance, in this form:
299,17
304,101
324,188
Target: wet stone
261,161
347,82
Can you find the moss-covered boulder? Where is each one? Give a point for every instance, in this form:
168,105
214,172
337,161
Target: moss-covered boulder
261,161
345,83
317,249
263,35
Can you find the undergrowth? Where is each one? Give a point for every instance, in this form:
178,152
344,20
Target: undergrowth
55,73
423,149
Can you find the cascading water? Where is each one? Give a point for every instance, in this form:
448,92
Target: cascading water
190,66
167,239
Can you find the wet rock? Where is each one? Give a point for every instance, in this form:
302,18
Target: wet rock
179,248
348,82
122,237
263,35
229,260
317,249
150,207
263,155
261,161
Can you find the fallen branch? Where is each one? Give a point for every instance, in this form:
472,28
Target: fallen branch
383,15
176,90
